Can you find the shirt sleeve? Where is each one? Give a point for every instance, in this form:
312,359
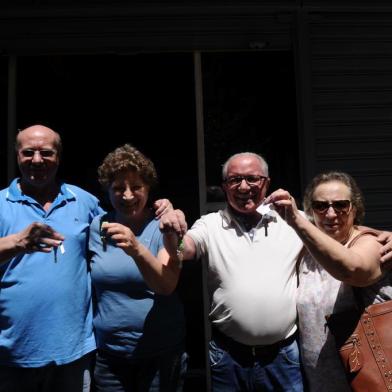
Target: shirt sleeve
199,234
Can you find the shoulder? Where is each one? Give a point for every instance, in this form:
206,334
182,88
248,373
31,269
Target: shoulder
79,192
365,236
81,196
152,226
208,219
152,234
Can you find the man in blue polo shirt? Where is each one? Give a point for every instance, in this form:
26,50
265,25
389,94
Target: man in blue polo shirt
46,335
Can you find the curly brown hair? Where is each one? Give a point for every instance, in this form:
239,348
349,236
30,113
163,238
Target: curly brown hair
346,179
126,158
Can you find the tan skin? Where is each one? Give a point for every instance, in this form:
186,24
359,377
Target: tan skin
129,195
38,160
358,265
39,170
243,199
385,240
339,226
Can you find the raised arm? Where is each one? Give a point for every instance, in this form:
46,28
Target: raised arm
174,227
358,265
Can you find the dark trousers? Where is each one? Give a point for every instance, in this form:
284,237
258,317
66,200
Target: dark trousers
72,377
163,373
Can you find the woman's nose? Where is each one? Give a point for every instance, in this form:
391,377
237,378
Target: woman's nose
127,195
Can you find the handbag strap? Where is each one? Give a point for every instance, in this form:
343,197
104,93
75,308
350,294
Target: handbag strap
357,290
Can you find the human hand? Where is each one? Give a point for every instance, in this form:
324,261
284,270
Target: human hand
385,239
173,222
162,206
173,226
38,237
122,236
284,204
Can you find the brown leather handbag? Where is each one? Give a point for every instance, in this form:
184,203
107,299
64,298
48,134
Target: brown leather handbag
364,342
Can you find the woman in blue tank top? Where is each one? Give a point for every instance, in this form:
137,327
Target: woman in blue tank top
138,318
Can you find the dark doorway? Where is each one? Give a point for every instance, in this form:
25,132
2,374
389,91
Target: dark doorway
100,102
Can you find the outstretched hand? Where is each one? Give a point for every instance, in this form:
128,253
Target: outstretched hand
173,226
173,222
284,204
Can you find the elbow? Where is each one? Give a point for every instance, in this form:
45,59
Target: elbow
359,277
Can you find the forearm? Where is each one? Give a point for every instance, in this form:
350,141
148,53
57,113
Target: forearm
160,273
183,248
10,246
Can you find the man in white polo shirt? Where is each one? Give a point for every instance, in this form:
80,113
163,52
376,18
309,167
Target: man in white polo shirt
251,279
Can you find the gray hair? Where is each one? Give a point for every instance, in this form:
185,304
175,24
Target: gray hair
261,160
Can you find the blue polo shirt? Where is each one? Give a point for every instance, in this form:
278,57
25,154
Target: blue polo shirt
45,299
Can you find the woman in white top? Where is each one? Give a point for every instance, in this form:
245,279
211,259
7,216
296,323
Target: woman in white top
330,267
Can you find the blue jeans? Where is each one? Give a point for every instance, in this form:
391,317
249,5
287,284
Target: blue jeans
238,371
72,377
164,373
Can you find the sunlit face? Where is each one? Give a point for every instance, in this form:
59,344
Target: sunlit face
245,197
38,157
337,224
128,194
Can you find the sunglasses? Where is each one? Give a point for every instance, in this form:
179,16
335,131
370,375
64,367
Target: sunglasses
339,206
251,180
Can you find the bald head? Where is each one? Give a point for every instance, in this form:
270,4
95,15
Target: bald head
251,155
39,131
38,154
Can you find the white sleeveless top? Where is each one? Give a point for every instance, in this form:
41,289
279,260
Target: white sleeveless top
319,294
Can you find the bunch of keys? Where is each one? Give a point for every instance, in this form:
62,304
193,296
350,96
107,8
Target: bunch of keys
180,249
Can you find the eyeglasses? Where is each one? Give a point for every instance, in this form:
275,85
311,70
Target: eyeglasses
339,206
251,180
29,153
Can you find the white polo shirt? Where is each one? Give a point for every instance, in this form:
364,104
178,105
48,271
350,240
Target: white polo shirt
251,276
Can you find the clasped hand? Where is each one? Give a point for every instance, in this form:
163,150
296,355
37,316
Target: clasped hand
38,237
123,237
173,223
284,204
